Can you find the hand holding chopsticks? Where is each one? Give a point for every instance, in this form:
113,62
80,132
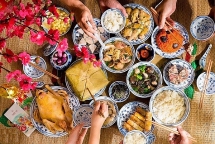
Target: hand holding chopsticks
205,84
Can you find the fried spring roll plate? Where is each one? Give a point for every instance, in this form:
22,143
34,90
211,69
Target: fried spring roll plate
134,125
137,121
141,111
127,126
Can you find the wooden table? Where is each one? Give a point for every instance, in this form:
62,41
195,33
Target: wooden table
186,11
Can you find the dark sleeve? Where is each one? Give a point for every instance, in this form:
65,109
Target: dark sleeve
211,2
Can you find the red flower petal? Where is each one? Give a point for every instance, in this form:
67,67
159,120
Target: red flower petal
24,57
38,37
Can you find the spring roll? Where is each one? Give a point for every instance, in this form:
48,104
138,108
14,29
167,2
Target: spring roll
141,111
127,126
134,125
148,115
139,116
137,121
148,123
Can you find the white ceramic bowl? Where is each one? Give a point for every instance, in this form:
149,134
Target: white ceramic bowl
202,27
113,39
186,102
132,132
113,10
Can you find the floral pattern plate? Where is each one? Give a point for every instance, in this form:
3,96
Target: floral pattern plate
33,72
151,26
82,114
170,55
77,36
202,27
210,89
69,87
73,102
184,84
125,113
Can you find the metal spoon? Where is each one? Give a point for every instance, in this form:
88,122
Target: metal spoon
202,61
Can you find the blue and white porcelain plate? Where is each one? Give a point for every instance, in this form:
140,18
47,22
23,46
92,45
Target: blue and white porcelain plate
78,34
151,26
128,110
73,102
179,52
202,27
105,98
69,87
83,114
32,72
183,64
124,97
210,88
40,84
49,49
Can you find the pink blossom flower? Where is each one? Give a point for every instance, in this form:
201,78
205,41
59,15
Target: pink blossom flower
16,74
62,46
50,20
38,21
97,63
66,20
22,12
43,13
10,56
2,27
37,2
36,8
2,43
54,36
38,37
53,10
24,57
18,31
26,83
11,23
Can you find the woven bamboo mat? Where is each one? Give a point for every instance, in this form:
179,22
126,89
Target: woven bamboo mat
199,123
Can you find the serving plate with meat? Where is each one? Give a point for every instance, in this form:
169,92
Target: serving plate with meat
178,74
143,79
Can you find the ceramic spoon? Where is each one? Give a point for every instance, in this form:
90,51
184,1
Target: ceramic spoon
202,61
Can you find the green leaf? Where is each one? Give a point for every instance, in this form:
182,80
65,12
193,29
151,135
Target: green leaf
194,49
27,101
139,77
189,91
142,68
135,89
146,90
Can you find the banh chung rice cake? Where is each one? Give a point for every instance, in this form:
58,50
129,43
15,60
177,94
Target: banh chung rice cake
134,138
169,106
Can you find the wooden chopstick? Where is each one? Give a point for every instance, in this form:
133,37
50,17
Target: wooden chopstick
42,70
171,130
167,24
99,112
205,84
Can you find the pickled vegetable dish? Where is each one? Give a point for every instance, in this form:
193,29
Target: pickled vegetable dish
144,79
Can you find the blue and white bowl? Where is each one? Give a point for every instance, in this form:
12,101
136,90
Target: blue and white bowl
210,88
179,52
132,132
126,111
49,49
156,69
127,92
73,103
129,65
83,114
150,49
202,27
105,98
63,66
184,84
32,72
186,103
150,27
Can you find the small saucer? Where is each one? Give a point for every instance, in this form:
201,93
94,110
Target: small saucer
82,114
210,89
202,27
49,49
33,72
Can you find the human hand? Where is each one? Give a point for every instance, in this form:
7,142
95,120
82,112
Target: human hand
165,10
180,139
97,120
105,4
82,16
77,135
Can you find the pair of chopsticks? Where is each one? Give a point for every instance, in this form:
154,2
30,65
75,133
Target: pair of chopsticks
205,84
171,130
99,112
154,12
